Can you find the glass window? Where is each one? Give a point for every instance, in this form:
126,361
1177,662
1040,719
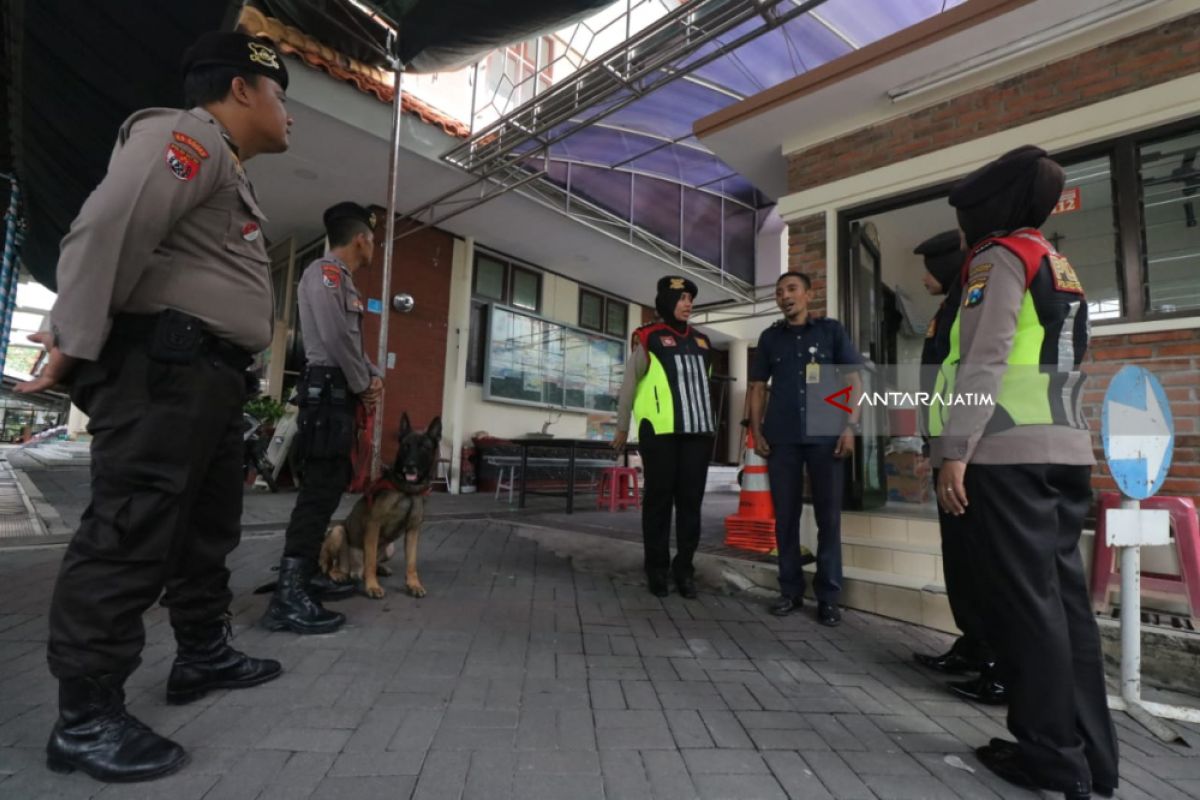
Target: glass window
489,278
1170,180
617,319
1083,227
526,289
591,311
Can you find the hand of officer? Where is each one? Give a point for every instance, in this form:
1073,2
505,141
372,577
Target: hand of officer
845,444
761,447
951,493
58,366
373,392
619,440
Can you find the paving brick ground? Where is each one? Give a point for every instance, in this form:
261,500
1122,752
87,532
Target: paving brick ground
520,676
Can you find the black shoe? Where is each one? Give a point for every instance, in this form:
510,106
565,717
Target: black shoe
657,584
984,689
687,587
1006,762
829,614
205,661
951,662
324,589
96,735
292,608
786,605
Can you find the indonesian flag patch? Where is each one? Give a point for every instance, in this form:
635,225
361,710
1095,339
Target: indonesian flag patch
251,231
183,165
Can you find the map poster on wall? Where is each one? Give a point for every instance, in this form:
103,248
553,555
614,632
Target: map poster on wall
535,361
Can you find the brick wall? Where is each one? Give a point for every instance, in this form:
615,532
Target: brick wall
1174,358
1155,56
421,266
806,253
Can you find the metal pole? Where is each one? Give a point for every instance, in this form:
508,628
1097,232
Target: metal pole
1131,618
8,274
389,246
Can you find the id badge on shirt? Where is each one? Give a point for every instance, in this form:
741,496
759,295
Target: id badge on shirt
812,373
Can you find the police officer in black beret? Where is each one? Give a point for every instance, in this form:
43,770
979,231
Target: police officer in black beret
806,359
164,295
337,377
945,257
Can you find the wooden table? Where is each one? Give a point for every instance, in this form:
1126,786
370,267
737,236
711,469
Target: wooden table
572,446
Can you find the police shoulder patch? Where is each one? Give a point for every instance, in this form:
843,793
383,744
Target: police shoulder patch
973,295
1063,275
183,165
331,276
191,142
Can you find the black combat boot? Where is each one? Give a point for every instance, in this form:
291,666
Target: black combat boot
205,661
95,734
292,608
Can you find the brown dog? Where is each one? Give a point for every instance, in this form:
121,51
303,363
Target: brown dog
393,505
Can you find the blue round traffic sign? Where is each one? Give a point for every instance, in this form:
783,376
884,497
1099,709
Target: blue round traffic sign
1138,432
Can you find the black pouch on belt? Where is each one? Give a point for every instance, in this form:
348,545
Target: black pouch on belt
177,338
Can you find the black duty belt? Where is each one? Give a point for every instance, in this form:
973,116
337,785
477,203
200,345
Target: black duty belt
143,328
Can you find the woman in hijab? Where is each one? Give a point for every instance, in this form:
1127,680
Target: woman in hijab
1016,471
666,388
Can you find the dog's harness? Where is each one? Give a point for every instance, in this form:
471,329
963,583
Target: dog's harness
387,483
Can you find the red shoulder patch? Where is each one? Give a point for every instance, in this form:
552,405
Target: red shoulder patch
331,276
182,164
183,138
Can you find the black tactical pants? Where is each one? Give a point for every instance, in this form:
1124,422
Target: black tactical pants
1022,529
676,469
166,505
962,591
326,442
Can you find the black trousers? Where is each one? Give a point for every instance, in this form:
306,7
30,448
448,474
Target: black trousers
1022,529
962,591
827,476
166,506
326,441
676,469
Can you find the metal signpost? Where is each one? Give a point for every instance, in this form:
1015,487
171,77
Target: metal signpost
1139,439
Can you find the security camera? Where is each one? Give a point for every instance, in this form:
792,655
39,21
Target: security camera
403,303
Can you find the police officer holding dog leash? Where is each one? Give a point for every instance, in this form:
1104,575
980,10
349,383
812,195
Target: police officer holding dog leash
164,295
336,377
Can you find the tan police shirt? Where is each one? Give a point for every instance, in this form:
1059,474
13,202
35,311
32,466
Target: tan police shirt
174,224
331,310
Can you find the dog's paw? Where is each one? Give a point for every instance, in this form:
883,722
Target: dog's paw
374,590
337,576
415,588
384,571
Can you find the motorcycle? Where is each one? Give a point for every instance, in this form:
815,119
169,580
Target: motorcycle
255,457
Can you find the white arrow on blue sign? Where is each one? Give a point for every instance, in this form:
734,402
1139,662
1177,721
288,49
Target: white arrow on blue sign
1138,433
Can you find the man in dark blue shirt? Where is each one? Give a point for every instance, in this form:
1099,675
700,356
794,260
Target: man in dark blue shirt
806,359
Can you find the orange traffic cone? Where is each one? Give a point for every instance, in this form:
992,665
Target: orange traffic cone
753,526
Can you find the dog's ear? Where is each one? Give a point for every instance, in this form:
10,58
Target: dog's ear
434,431
405,425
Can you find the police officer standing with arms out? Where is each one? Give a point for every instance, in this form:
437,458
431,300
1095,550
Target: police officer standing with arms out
164,295
1017,473
800,356
666,386
336,378
944,258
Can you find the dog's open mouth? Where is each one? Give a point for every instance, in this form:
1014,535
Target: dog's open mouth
411,475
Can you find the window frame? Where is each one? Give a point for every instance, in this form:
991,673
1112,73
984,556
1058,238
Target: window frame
606,301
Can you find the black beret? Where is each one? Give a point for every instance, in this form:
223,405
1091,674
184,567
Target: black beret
945,242
995,176
677,283
237,50
348,210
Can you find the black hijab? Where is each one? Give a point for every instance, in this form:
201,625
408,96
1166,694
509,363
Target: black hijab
944,257
1017,190
670,289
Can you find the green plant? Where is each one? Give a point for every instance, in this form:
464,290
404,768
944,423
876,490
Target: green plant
266,410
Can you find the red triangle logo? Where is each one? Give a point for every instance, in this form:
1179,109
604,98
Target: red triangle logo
832,399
